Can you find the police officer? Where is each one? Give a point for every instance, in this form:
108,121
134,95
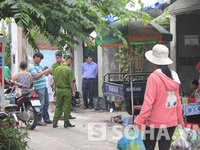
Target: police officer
58,56
59,60
64,82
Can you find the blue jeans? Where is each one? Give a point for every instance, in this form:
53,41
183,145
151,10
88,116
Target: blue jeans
44,100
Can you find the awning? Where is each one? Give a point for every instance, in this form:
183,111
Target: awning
135,32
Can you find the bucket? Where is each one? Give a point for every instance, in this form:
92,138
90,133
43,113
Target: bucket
99,103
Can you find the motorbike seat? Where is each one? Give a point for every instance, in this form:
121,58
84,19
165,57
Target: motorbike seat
25,92
3,115
11,107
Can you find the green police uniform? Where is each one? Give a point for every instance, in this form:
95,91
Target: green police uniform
63,75
54,66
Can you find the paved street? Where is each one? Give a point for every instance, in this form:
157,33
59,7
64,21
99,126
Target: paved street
79,137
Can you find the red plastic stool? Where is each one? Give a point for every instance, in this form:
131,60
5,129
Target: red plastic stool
193,126
136,107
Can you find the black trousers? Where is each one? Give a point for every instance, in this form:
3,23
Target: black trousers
88,88
163,136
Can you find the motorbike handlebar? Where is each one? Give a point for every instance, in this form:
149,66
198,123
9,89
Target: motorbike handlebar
8,82
11,83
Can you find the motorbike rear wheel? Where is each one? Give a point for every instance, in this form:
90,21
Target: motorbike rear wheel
32,122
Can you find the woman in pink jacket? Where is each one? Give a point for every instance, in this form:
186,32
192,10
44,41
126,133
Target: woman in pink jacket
161,111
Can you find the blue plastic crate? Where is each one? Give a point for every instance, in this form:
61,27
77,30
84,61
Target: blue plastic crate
128,120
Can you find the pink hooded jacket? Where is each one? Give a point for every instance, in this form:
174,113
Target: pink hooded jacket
162,106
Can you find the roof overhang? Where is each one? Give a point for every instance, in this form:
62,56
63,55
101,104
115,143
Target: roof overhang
135,32
183,6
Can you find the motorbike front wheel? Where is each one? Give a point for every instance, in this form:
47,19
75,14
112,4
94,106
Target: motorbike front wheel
32,122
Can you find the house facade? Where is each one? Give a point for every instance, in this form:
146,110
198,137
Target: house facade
185,46
22,51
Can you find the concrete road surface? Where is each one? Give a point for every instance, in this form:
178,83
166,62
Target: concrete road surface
93,131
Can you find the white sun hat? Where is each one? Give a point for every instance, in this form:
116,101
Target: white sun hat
159,55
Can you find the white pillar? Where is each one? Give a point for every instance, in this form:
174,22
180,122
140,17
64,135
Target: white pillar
173,50
19,51
78,60
2,55
100,73
16,35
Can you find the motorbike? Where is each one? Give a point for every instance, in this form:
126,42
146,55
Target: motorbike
10,116
28,107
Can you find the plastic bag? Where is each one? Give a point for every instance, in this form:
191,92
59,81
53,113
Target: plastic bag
131,141
181,144
176,134
18,92
192,137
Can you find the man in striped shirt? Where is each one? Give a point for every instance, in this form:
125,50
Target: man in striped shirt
39,83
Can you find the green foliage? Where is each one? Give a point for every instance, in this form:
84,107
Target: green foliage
163,20
7,58
10,138
60,20
134,56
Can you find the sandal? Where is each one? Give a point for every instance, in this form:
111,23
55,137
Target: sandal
41,124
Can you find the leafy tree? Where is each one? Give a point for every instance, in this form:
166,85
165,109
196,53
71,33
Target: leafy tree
60,20
6,35
131,57
164,20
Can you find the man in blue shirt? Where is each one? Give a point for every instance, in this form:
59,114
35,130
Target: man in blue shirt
89,73
39,83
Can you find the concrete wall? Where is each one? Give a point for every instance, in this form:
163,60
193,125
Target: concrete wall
20,49
109,60
173,48
106,64
78,60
